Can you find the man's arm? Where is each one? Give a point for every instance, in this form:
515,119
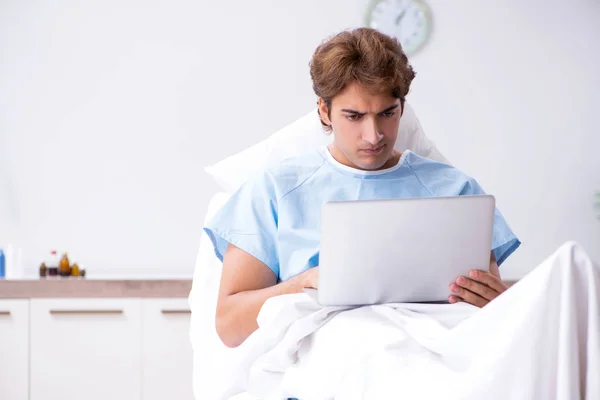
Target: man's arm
480,287
246,283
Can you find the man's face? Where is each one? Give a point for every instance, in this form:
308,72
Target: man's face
365,127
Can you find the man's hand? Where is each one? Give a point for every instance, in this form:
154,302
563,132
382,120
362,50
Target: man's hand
479,289
308,279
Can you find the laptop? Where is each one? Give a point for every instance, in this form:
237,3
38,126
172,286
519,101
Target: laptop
401,250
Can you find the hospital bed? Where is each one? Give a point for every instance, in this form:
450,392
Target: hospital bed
550,358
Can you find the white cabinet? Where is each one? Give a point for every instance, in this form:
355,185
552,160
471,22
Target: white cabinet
95,349
166,350
14,349
85,349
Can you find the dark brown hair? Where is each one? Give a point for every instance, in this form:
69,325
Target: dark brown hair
364,55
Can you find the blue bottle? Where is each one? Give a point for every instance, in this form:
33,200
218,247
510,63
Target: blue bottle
2,265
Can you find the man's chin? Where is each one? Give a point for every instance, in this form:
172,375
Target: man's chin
374,165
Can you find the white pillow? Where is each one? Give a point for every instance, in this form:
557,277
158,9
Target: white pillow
301,136
212,360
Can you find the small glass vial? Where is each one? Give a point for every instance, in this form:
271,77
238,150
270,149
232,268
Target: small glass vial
75,270
43,270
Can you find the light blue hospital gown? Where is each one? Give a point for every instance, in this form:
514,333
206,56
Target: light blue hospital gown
276,216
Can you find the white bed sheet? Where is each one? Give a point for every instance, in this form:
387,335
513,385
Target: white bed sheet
538,341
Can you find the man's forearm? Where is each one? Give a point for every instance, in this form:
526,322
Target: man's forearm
237,313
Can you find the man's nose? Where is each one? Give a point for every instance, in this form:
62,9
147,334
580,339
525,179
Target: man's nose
371,133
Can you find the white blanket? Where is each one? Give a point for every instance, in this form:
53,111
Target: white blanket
538,340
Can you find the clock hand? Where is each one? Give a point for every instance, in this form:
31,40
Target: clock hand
399,18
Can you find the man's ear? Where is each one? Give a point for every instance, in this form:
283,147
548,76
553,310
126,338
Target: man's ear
324,112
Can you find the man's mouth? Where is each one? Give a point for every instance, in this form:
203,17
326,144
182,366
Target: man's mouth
374,151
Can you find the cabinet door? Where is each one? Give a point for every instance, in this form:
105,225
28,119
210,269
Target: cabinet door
166,350
14,349
85,349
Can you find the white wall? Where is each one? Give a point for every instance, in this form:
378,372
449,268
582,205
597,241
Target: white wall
109,110
510,91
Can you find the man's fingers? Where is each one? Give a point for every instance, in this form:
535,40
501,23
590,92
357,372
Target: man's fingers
478,288
488,279
468,296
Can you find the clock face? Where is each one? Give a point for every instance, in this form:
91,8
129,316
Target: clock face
407,20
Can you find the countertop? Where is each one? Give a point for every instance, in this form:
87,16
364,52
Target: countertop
94,288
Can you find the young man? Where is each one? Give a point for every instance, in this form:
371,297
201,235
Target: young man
268,234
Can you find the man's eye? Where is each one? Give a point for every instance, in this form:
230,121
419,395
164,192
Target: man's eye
389,114
353,117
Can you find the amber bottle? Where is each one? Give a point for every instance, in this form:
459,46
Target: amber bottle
64,268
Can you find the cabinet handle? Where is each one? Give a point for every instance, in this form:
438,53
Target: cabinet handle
4,312
176,311
86,312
